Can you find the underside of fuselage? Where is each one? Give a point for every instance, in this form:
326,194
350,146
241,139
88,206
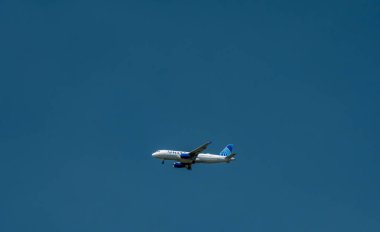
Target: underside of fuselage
209,158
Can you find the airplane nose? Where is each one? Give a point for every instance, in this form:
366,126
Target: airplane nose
154,154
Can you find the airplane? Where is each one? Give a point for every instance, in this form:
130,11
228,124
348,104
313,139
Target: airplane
187,159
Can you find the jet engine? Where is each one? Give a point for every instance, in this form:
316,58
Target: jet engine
179,165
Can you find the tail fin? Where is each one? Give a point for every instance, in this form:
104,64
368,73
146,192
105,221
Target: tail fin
227,150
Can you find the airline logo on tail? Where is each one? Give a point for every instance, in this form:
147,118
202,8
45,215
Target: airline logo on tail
227,150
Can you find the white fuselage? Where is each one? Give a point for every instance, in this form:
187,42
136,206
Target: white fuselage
201,158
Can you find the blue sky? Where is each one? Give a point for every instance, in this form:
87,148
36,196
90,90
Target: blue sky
89,89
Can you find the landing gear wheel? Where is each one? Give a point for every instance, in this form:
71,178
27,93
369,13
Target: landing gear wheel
189,167
163,161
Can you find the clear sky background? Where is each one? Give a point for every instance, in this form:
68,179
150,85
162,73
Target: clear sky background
89,89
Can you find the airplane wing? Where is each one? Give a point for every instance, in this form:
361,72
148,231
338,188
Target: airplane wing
194,153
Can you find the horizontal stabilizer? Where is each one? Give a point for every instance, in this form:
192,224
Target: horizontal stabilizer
229,157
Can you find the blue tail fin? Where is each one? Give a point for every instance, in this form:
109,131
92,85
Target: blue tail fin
227,150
